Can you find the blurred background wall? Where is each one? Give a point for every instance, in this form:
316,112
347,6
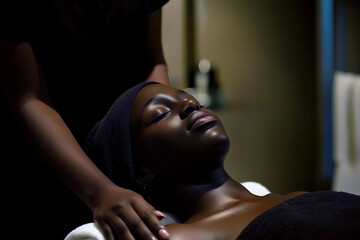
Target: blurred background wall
265,58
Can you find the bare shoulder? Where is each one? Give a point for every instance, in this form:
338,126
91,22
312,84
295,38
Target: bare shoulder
186,231
295,194
178,231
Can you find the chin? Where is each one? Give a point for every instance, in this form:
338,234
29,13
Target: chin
214,144
217,136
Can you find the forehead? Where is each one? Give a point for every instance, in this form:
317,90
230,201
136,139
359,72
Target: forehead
152,90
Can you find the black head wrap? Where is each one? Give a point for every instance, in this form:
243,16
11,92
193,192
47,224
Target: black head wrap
108,143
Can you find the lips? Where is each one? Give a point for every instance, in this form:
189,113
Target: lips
198,119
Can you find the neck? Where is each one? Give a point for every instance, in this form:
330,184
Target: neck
197,184
198,196
221,198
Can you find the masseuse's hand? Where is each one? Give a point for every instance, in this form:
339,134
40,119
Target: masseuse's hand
125,215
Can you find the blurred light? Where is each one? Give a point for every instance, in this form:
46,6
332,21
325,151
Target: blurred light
204,65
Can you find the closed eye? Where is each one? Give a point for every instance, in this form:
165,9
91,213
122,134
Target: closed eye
160,117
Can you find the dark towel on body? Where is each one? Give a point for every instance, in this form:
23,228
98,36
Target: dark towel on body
317,215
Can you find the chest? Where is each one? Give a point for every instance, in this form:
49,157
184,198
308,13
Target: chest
229,223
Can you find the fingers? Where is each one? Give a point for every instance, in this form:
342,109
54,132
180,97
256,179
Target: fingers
130,219
121,230
159,214
131,225
150,217
106,230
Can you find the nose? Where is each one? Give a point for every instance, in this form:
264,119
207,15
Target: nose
188,105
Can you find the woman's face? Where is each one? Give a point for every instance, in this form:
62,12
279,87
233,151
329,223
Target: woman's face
173,133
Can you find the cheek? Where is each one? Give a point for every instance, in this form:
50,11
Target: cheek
162,146
163,136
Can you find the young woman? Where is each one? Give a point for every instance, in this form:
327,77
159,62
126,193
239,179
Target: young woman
178,150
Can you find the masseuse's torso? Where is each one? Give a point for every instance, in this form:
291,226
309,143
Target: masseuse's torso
87,61
89,52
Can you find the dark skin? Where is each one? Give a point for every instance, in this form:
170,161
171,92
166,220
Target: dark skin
187,157
121,213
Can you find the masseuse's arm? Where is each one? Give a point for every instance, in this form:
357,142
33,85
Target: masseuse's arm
114,208
155,57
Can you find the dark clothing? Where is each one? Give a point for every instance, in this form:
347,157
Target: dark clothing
311,216
90,52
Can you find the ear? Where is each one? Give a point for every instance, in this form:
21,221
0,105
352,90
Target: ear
143,177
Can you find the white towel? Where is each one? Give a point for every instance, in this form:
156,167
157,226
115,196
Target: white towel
346,110
90,231
341,110
356,115
256,188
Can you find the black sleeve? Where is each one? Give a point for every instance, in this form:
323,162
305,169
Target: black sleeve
153,5
15,20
